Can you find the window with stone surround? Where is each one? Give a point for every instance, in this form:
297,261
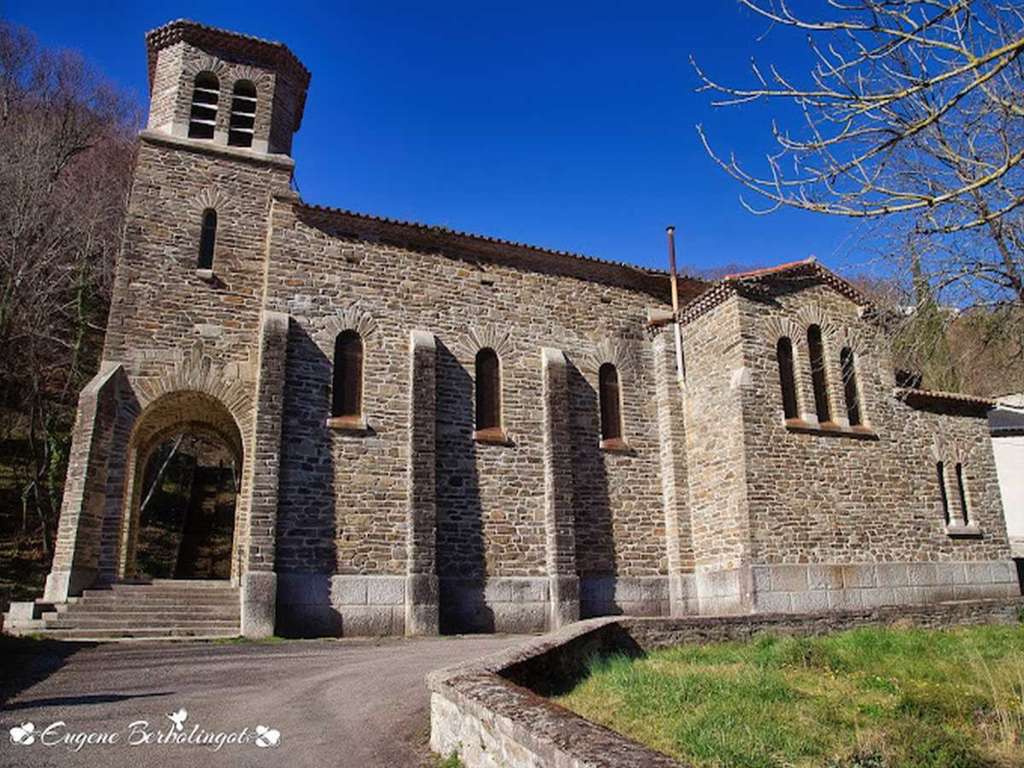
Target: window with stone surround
940,473
207,240
611,406
243,114
848,365
819,378
962,493
488,394
202,119
787,377
347,391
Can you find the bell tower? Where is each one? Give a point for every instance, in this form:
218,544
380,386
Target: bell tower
225,88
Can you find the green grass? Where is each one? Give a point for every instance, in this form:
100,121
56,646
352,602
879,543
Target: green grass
868,698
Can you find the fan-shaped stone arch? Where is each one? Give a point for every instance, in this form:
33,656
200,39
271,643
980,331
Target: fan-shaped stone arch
784,325
617,351
214,198
352,318
206,63
260,78
486,336
198,372
815,314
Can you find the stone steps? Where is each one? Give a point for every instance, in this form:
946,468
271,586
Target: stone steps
150,633
159,609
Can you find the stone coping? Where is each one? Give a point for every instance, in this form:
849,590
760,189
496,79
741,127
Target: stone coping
495,711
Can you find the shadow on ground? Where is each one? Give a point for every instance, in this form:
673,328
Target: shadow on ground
25,661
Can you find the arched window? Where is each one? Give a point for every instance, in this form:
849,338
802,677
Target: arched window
787,377
850,390
611,411
243,114
347,393
816,350
207,239
940,472
488,390
202,120
962,491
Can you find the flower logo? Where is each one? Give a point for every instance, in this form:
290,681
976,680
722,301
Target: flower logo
178,718
23,734
267,737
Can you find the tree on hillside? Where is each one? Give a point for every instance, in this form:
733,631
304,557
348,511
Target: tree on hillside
911,114
66,154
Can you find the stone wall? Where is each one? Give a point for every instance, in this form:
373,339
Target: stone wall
716,458
843,517
343,495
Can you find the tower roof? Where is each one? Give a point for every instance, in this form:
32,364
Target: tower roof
268,53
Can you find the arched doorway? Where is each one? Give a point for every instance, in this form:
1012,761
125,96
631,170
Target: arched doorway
185,471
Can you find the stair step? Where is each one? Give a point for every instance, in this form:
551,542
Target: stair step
140,633
145,623
174,588
159,599
112,609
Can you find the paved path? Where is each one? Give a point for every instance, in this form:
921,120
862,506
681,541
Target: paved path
335,703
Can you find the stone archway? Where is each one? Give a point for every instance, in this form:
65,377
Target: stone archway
208,430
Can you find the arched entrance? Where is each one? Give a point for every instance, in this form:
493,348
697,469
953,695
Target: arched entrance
185,469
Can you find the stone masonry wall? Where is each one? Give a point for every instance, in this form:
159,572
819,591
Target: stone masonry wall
343,496
715,456
851,499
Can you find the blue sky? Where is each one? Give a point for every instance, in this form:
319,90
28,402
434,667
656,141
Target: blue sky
565,125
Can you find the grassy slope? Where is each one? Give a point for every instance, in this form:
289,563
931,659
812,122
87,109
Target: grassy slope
867,698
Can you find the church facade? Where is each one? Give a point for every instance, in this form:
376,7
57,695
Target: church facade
444,432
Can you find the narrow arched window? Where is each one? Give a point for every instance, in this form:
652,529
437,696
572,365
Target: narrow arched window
611,405
488,390
347,393
207,239
962,492
243,114
819,380
940,472
202,120
850,390
787,377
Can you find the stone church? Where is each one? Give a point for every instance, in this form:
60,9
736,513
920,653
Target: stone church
436,431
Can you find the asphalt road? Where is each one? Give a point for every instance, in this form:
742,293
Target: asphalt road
333,702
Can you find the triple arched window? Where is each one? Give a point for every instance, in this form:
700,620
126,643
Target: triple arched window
347,390
819,379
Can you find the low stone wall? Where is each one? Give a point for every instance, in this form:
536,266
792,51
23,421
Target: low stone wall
494,714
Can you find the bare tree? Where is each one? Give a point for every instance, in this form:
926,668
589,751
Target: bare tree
911,113
66,154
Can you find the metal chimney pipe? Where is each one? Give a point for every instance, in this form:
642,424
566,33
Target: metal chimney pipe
671,232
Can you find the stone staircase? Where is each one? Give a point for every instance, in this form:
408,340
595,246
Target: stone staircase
162,608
